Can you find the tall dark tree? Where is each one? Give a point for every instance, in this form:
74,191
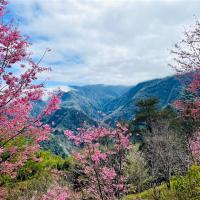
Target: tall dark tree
147,113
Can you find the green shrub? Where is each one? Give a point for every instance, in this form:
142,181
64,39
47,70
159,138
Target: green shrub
183,188
35,177
188,187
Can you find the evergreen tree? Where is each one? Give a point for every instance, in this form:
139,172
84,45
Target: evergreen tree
146,115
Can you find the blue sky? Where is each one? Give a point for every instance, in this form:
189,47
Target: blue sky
104,41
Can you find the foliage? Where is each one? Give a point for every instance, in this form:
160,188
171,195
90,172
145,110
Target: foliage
188,187
183,188
104,164
136,171
20,133
164,194
36,176
159,137
37,185
187,65
102,158
56,144
147,114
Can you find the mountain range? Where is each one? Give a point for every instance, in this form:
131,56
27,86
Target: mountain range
84,105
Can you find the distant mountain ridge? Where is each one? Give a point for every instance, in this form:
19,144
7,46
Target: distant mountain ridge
81,105
167,90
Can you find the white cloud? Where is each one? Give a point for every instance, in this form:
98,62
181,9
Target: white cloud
105,41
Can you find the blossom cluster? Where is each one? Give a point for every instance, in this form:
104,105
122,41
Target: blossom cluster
102,155
187,66
20,132
57,193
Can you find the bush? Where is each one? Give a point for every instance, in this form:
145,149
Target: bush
188,187
36,176
183,188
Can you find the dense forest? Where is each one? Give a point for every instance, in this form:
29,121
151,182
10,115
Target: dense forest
148,150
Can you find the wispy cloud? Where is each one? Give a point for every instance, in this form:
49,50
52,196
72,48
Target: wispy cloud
105,41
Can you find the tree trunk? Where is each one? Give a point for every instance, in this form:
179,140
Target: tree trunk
168,184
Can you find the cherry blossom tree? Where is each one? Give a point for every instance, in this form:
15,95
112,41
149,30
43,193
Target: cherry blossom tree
20,133
60,193
187,65
102,155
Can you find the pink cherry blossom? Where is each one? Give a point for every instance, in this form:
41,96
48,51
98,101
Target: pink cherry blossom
102,163
187,67
18,92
